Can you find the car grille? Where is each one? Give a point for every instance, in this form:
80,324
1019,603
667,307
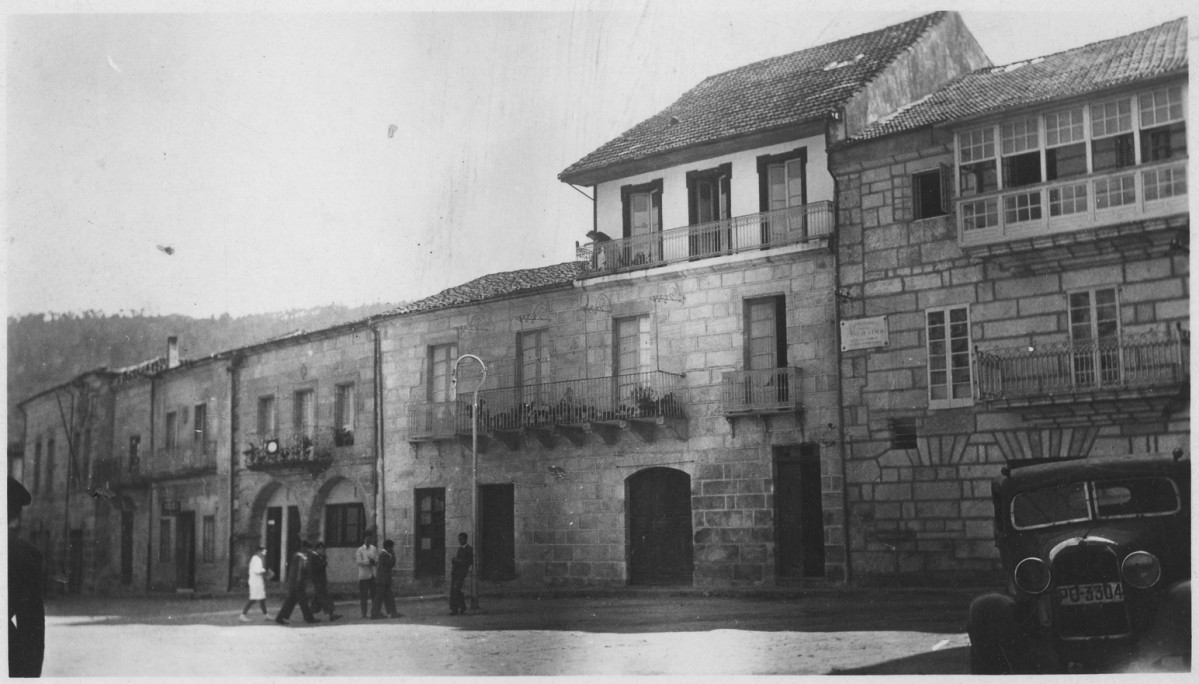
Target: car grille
1082,565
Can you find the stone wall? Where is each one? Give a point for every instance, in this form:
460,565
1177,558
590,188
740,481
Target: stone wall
924,514
571,528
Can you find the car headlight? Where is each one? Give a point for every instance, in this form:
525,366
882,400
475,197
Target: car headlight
1141,569
1032,575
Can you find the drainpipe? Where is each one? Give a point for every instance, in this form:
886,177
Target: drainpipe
234,378
150,492
380,492
840,379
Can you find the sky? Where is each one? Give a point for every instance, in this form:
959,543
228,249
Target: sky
202,158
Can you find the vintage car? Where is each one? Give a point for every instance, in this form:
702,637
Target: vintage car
1096,553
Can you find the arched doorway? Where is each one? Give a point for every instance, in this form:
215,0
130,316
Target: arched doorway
658,511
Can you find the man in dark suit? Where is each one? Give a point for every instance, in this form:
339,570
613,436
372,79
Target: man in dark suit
385,600
459,569
26,605
299,574
319,565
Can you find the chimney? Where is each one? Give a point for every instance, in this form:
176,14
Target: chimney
172,351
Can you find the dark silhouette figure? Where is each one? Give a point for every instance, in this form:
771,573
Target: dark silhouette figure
299,574
320,582
26,605
459,569
385,600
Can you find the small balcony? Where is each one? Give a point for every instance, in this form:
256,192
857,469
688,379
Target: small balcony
809,224
124,472
637,402
1129,378
1083,221
310,450
192,458
759,393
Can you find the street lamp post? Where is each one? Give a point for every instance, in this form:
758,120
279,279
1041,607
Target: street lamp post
474,469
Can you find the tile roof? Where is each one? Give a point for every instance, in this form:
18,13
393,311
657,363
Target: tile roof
1135,57
781,91
495,286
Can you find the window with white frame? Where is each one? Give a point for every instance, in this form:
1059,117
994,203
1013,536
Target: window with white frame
1094,337
950,380
1061,144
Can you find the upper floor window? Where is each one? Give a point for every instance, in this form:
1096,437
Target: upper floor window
765,333
266,417
950,380
172,428
50,465
36,465
1100,136
1021,144
533,358
928,194
708,203
441,372
343,415
304,414
633,353
200,427
1094,330
976,161
135,445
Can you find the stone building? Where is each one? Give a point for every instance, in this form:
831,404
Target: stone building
664,412
1013,285
65,430
304,414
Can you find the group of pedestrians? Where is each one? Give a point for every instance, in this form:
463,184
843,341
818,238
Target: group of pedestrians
309,567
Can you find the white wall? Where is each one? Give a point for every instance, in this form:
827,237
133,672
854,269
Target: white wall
744,185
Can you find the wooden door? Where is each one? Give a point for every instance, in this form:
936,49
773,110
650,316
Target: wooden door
799,512
660,549
496,546
429,558
274,541
185,550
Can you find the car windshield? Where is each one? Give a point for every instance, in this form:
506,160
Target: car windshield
1100,499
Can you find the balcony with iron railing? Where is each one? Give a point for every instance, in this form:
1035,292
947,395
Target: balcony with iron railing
572,408
116,472
1132,375
809,224
189,458
312,449
1040,222
759,393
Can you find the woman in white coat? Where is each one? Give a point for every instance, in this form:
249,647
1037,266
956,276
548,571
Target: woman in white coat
257,582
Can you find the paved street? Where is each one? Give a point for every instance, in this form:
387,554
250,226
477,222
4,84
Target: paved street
635,633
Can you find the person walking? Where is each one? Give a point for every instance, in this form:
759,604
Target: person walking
459,569
298,577
320,582
385,600
256,580
365,558
26,603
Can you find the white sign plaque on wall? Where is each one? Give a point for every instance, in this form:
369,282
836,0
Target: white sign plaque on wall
864,333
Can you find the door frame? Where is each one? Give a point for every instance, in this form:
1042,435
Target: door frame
798,454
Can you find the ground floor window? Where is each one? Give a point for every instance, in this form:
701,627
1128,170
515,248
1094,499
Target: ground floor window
208,541
344,524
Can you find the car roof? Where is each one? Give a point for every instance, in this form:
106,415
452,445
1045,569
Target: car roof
1078,470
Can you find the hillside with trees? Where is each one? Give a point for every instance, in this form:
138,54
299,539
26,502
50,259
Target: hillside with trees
48,349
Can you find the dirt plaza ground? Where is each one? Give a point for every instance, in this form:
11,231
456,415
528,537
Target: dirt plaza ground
873,631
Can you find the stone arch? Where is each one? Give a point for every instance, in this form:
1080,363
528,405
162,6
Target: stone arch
312,527
258,509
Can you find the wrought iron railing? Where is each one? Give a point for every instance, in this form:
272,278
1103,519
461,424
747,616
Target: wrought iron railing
633,396
650,394
185,454
789,226
1068,368
1064,206
772,390
264,452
